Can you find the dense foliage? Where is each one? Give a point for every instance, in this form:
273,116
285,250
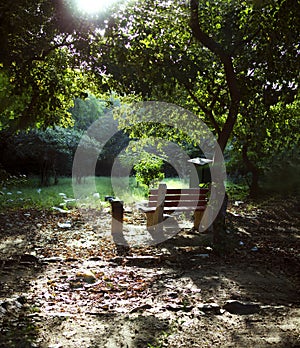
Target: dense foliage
40,72
148,170
233,64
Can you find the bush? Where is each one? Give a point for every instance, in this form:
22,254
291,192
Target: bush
149,170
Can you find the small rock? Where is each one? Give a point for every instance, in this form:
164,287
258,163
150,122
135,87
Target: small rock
29,258
52,259
212,307
173,308
22,299
141,307
236,307
172,294
179,307
60,210
64,224
188,323
17,304
69,334
95,258
273,340
203,256
87,276
5,305
2,311
197,313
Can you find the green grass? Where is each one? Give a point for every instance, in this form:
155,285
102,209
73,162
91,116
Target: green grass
176,183
92,191
30,194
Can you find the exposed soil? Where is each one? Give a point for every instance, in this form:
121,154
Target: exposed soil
65,284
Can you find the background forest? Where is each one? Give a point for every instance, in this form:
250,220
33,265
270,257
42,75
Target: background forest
235,65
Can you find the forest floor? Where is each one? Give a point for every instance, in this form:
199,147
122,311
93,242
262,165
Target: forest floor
65,284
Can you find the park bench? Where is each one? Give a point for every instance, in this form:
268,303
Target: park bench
164,201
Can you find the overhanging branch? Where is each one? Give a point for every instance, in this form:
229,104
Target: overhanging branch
206,110
230,73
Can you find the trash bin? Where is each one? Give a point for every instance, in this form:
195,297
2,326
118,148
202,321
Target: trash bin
202,174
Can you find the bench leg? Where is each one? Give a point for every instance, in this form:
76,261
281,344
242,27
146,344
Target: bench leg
117,222
154,217
197,219
152,225
150,220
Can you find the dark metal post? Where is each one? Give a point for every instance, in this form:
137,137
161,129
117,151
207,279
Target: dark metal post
117,211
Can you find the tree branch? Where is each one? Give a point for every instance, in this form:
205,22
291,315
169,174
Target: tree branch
45,53
230,74
215,97
207,111
246,41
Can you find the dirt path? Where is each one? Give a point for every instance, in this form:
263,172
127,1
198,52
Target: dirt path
64,283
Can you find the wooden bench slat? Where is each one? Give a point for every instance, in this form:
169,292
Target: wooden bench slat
173,209
188,203
201,190
169,197
183,209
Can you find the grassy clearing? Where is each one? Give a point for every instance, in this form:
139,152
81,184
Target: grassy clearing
30,194
92,191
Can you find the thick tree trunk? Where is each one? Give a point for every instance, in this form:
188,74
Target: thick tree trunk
219,230
219,227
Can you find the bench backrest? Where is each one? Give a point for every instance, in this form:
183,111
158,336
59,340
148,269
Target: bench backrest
178,197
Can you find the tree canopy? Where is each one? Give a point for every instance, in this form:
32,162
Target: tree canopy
233,64
212,57
41,70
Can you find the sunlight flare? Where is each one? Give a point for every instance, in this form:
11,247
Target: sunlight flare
92,7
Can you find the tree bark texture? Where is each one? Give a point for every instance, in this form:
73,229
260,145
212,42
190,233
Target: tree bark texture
231,78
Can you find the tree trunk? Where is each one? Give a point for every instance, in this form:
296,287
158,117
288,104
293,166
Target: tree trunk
253,169
230,74
220,244
219,228
45,173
